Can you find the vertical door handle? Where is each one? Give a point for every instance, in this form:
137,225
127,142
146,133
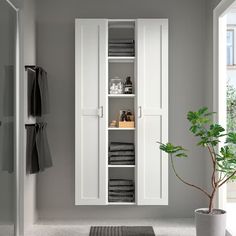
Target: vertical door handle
101,112
140,112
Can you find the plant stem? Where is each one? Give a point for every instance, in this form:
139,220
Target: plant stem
213,182
212,198
227,179
182,180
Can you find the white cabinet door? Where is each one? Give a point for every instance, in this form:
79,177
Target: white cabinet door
90,110
152,110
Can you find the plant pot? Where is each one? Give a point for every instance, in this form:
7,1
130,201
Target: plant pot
213,224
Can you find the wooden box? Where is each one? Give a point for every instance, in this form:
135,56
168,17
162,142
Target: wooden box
126,124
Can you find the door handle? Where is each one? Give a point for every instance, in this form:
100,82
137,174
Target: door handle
140,112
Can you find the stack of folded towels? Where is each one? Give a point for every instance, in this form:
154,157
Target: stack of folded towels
121,190
121,47
121,153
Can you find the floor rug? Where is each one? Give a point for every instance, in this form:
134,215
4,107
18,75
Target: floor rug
121,231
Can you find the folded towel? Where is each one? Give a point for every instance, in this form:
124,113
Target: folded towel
121,158
129,162
114,50
128,54
121,194
120,199
117,146
121,41
121,153
118,182
121,188
121,45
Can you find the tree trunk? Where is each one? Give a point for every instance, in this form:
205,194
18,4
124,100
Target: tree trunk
211,200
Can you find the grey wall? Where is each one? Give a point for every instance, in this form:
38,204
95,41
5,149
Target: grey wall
187,59
7,68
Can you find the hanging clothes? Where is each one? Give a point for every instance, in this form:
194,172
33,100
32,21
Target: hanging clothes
38,95
38,156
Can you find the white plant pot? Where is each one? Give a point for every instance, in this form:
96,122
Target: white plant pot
210,224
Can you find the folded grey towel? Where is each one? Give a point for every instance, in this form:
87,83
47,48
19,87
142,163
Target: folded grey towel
121,45
121,158
117,182
121,163
117,146
128,54
114,50
126,41
121,188
121,194
121,199
121,153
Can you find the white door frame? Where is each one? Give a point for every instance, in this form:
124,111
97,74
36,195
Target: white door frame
219,73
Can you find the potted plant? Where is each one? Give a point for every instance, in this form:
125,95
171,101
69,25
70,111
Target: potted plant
220,146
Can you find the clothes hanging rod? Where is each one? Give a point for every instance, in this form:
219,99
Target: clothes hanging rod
31,67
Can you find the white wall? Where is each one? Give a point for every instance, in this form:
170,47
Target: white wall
55,52
29,58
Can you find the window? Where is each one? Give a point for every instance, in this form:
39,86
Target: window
230,47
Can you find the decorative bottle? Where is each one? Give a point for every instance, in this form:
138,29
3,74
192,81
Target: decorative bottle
128,87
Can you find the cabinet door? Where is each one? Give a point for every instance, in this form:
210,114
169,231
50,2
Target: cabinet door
152,110
90,107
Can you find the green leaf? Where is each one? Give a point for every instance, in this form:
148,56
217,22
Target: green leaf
231,138
169,148
182,154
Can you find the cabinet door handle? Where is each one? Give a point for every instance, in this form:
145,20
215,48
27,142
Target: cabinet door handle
101,112
139,112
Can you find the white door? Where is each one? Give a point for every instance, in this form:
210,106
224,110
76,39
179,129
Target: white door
152,107
90,110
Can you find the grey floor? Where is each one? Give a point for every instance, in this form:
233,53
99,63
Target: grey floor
175,227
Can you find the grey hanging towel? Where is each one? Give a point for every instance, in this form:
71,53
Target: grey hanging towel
32,164
41,77
38,97
44,155
38,153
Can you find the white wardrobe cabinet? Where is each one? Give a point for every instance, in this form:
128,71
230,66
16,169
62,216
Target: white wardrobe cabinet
146,178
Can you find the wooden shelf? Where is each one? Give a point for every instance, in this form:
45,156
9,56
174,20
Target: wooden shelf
121,166
121,128
121,95
121,59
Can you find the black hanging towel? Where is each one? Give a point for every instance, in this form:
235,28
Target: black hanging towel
44,155
38,96
32,163
38,153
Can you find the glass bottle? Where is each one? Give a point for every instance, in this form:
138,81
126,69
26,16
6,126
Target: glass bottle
128,87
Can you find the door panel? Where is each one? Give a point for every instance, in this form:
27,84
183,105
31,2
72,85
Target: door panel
152,102
90,93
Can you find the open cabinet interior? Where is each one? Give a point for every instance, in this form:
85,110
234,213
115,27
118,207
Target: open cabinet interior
121,112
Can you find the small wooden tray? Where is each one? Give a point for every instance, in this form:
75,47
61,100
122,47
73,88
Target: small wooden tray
126,124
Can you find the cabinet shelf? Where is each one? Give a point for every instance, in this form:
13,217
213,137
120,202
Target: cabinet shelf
121,59
122,203
121,128
121,166
121,95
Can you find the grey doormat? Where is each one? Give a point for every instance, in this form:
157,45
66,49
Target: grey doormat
121,231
